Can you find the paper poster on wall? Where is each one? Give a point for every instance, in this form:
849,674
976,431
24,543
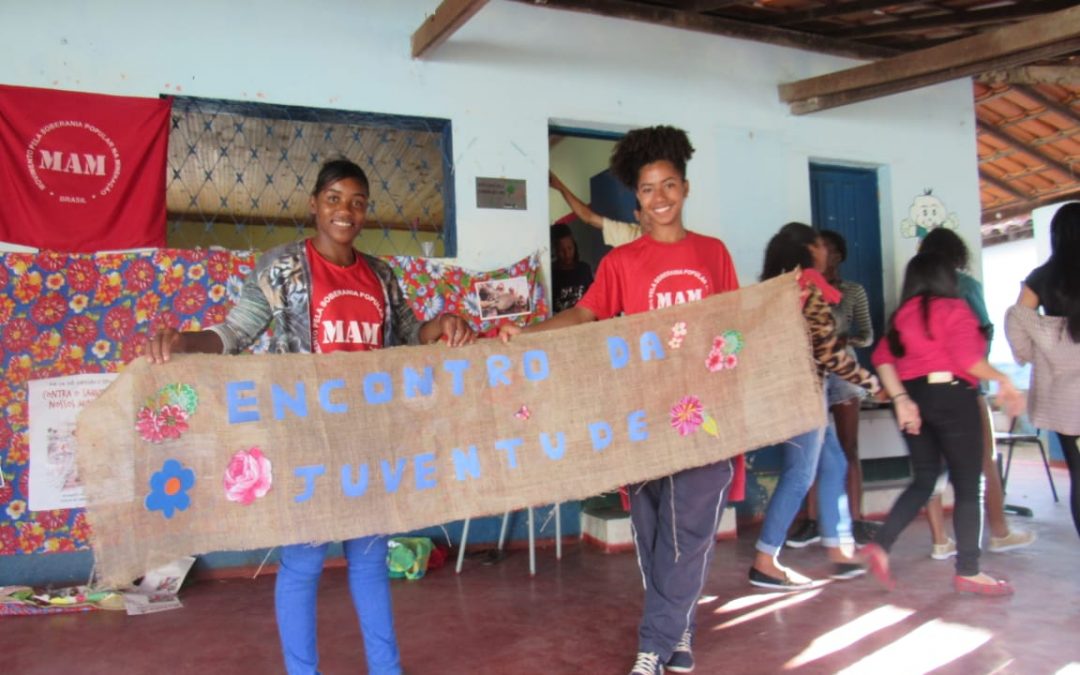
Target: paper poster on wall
500,298
54,405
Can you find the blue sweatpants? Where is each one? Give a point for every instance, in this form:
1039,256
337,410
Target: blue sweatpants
674,521
369,584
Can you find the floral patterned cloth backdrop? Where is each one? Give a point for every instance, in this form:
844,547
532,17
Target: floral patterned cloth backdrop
66,314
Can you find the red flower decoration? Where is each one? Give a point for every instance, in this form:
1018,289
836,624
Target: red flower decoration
8,540
140,275
82,275
51,520
190,299
81,330
218,266
80,529
119,322
31,537
3,276
51,260
49,310
18,334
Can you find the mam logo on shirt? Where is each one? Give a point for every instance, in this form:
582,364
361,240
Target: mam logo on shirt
677,287
347,320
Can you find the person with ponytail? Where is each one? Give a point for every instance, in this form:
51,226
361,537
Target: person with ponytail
1050,341
931,361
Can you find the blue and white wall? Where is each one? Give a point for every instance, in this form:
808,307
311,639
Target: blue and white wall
507,74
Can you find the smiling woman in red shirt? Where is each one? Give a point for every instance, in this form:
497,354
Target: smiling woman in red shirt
930,363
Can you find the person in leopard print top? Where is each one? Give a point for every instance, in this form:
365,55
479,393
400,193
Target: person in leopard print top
816,452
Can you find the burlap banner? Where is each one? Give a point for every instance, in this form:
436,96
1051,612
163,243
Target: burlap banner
212,453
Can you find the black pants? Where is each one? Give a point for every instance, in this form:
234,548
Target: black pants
951,430
1072,459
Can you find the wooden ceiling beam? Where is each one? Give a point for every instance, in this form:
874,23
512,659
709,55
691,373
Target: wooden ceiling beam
704,23
1064,76
833,10
1003,186
968,19
1029,204
444,22
1063,109
1043,37
1020,146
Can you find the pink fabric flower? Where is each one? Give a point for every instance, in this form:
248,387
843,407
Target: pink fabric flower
248,476
686,415
730,361
715,361
148,424
173,421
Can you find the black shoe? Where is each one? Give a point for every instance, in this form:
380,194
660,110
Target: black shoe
805,534
845,571
682,659
785,583
864,531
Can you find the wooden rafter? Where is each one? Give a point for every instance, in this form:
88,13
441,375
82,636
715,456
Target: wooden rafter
1002,185
1019,146
968,19
1059,75
437,28
703,23
1042,37
1030,204
1060,108
831,11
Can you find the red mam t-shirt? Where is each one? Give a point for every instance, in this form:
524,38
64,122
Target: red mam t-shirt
347,305
647,274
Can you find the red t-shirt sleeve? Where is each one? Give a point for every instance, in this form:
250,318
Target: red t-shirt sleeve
966,345
605,297
729,281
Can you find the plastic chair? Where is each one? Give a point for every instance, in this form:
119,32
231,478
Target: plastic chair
1014,436
502,539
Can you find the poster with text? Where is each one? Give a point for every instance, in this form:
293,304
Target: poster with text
54,406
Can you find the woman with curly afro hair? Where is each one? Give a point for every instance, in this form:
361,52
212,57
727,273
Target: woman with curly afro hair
674,518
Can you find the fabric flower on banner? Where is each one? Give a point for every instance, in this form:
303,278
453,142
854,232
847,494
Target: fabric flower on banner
678,332
248,476
168,488
688,415
523,413
165,415
724,348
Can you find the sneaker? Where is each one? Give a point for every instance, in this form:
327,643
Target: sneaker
647,663
804,535
943,551
682,659
1014,539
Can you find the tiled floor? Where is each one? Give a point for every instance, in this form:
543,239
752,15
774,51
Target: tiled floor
579,616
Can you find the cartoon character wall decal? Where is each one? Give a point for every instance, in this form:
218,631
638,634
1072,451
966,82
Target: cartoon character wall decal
926,213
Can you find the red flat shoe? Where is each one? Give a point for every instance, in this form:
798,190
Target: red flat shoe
877,560
999,588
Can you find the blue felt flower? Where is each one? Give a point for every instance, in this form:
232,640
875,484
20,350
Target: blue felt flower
168,488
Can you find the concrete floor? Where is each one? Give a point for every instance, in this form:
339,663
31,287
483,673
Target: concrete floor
579,615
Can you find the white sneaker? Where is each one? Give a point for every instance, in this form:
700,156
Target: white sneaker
943,551
1014,539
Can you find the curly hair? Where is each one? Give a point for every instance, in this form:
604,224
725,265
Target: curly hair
648,145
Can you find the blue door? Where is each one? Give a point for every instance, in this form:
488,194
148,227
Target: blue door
845,200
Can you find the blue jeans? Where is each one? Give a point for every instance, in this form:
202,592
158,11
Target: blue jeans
834,518
369,583
801,455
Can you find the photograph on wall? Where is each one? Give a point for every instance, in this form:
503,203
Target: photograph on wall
498,298
54,405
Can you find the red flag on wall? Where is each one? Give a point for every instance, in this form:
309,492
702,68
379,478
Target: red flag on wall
82,172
